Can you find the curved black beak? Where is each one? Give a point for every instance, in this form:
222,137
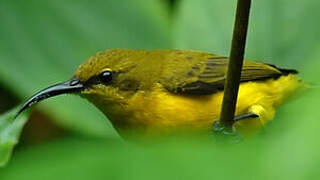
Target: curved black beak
71,86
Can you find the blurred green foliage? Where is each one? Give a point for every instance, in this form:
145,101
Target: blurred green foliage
42,42
10,130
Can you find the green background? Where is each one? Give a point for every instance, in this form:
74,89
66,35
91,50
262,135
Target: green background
43,42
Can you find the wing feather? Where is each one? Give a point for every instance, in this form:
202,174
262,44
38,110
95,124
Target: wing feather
207,75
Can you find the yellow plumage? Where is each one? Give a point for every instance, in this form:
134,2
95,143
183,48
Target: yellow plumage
161,113
175,91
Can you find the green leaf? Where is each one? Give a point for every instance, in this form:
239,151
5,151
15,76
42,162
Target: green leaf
10,129
43,42
76,158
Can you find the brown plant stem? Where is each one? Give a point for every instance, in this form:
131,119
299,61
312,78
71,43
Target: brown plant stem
235,64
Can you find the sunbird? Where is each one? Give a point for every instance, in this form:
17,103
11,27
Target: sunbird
149,93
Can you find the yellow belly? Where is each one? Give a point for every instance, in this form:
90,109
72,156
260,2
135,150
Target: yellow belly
160,112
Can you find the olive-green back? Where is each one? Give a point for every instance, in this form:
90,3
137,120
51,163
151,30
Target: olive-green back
193,72
179,71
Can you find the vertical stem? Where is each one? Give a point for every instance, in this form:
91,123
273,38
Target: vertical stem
235,63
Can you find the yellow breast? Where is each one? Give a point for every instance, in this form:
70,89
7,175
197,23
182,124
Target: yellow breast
160,112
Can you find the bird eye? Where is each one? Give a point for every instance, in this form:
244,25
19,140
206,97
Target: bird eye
106,77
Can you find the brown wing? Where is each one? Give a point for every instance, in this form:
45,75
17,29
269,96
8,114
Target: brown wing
208,76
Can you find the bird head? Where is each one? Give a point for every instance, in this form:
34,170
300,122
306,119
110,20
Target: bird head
106,79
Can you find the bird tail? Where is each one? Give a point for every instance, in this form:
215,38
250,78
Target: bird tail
284,71
287,71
